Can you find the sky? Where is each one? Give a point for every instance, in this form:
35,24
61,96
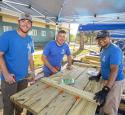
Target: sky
73,28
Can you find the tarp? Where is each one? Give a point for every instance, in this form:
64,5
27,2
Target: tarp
117,36
95,27
71,11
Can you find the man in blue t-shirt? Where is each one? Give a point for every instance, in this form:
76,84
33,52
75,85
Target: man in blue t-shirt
16,50
112,73
53,54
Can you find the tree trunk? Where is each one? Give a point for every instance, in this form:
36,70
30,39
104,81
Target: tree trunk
81,41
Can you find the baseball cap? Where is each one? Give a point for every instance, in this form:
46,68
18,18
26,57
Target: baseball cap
102,34
25,16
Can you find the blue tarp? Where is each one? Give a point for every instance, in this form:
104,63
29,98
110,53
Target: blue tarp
95,27
117,36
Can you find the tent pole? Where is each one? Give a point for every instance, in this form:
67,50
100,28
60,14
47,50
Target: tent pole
56,30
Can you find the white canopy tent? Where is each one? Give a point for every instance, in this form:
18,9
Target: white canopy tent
70,11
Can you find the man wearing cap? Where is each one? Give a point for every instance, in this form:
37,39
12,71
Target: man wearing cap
112,74
16,50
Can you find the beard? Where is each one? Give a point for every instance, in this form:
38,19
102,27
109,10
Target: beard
23,30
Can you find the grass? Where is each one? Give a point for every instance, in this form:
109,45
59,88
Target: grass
37,60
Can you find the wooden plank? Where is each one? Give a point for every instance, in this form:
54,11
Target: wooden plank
40,101
23,92
92,57
83,107
89,109
77,71
69,89
56,111
77,107
24,97
82,81
92,62
86,65
64,73
59,106
43,103
69,74
93,87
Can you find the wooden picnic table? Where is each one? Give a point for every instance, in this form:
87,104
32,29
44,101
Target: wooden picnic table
50,97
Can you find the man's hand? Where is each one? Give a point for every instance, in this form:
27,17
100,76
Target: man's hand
54,70
10,78
32,77
96,78
101,95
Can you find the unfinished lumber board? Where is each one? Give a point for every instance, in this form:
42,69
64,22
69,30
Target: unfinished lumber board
22,98
56,111
63,72
92,57
92,62
80,104
57,99
23,92
40,101
69,89
75,73
92,87
83,106
81,81
77,107
70,74
89,109
60,105
86,65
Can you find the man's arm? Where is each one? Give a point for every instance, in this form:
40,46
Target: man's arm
31,62
46,62
69,61
8,77
113,75
102,94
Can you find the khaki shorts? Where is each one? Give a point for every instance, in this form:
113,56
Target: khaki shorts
113,98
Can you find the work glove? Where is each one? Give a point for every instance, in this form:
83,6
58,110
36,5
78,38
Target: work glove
96,78
100,96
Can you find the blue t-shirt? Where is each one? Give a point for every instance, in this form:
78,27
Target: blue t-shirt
16,53
55,54
111,55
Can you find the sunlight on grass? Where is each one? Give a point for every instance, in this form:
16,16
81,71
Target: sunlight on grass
37,60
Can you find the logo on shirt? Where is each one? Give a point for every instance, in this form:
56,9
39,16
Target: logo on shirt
29,50
63,51
103,59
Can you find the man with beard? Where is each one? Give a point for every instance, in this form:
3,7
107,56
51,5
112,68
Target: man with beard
16,50
53,54
112,74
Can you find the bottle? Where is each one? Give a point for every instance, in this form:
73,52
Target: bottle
67,81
